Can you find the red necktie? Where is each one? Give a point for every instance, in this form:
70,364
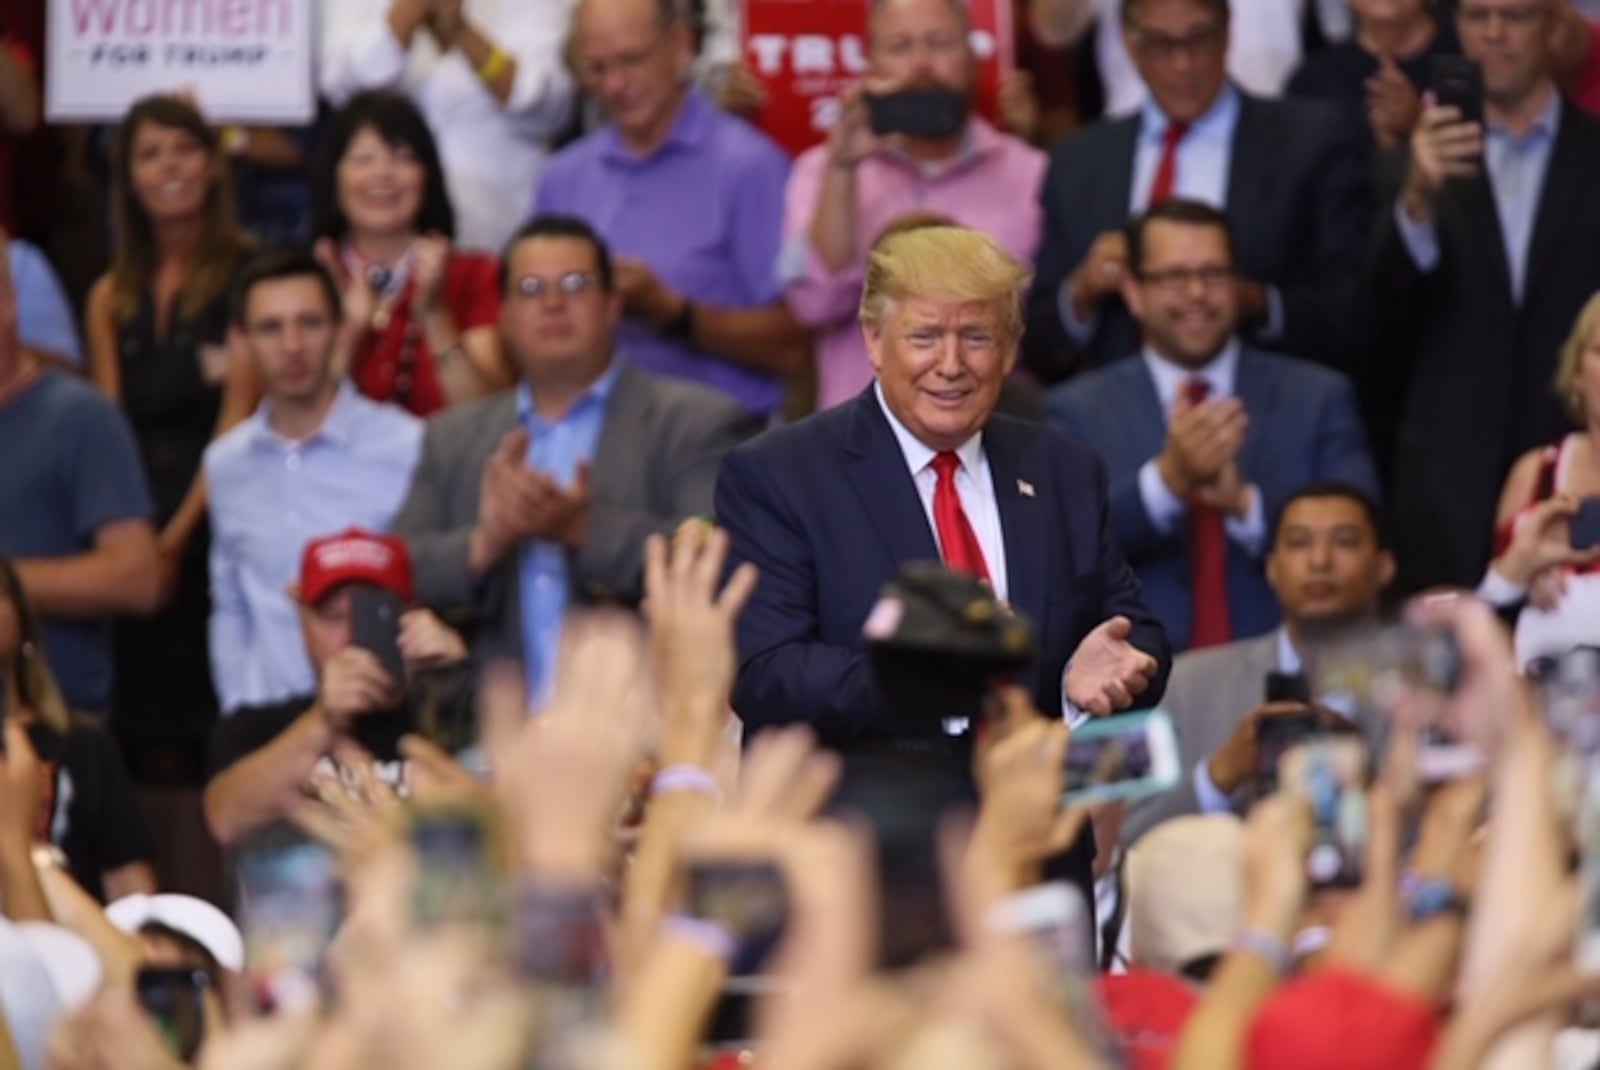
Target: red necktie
1167,170
961,549
1208,558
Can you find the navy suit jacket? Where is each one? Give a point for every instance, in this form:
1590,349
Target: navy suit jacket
1304,428
828,511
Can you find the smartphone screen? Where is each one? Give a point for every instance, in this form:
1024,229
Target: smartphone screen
1588,826
1123,757
1585,526
1286,687
748,898
930,113
172,999
459,876
375,627
1457,82
1274,737
1331,776
290,905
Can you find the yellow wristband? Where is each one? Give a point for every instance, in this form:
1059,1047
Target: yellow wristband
493,67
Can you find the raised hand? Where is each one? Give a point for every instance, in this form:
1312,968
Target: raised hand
1107,672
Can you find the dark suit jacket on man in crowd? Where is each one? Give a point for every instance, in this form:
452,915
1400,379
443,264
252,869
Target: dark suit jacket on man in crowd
655,465
1304,428
1299,200
1474,368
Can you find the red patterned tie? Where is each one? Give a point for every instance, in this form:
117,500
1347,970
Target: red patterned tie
961,549
1167,170
1208,558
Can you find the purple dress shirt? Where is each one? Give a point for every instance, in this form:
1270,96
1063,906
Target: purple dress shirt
704,210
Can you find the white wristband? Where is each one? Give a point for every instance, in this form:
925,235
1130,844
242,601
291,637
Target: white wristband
1499,591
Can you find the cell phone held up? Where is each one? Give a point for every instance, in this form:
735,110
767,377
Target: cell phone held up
932,113
375,627
1457,82
172,998
1585,525
1330,775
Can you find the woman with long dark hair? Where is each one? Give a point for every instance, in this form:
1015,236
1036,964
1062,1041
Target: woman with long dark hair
420,316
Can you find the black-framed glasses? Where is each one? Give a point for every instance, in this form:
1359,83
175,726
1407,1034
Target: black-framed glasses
1179,279
571,284
1160,46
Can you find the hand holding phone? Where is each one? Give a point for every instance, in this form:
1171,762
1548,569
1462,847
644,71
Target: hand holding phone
1330,775
375,627
1585,525
747,898
1457,82
934,113
460,873
1127,756
291,902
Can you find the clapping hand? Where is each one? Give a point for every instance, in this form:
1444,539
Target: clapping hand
1107,672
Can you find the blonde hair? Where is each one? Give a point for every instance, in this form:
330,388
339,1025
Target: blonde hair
1572,358
942,262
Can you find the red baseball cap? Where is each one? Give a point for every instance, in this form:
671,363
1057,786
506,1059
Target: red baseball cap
1146,1012
354,556
1337,1019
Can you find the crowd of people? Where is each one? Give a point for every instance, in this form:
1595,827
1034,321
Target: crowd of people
522,572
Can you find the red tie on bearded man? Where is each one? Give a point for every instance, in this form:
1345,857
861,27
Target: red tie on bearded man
1208,558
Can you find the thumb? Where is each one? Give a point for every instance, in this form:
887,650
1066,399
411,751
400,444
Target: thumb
580,480
514,446
328,257
1118,627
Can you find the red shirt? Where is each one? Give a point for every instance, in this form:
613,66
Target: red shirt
1586,83
398,351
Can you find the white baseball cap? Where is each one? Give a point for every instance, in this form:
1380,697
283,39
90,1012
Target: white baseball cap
194,918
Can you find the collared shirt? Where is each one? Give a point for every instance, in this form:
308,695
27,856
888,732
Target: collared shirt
492,152
703,210
992,185
1205,163
974,486
1160,503
44,319
1516,167
557,448
268,496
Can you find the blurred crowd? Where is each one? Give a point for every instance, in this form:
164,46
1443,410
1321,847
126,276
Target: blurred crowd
460,598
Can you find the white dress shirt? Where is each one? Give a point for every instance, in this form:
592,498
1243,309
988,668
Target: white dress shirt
491,152
1160,504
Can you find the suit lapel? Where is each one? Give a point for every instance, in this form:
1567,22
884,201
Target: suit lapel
1566,181
1254,387
1021,495
1115,194
1141,413
623,429
877,470
1475,199
1251,174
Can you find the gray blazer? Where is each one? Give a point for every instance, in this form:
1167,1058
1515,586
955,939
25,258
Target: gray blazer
654,465
1209,693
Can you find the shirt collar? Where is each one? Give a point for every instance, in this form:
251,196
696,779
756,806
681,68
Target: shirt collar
1222,374
688,130
919,454
1544,124
1288,656
598,393
338,424
1218,121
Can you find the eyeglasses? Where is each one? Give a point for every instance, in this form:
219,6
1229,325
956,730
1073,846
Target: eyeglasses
1177,280
1160,47
1518,17
629,63
571,284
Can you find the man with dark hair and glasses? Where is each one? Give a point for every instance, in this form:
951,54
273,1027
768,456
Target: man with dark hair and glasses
1489,249
1291,175
1204,436
542,497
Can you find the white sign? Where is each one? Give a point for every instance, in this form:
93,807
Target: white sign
244,61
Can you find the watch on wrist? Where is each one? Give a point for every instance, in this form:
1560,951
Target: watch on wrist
681,326
1429,897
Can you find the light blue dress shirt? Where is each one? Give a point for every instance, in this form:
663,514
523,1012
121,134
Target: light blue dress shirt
1516,169
44,319
270,496
557,448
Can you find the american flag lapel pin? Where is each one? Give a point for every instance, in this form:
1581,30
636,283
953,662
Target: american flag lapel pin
1024,488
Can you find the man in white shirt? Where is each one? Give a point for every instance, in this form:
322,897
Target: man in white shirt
1329,563
316,457
489,77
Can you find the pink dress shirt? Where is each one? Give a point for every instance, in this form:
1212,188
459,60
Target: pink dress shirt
992,186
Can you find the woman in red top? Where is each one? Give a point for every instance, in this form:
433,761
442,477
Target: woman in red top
419,315
1563,601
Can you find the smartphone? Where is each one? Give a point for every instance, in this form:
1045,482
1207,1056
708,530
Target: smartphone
750,899
1585,525
290,905
922,113
460,874
172,999
1457,82
375,627
1054,923
1275,736
1286,687
1372,666
1569,694
1588,840
1331,776
1128,756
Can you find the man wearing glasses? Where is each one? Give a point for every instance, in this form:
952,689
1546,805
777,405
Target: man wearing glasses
1490,246
1205,437
542,497
1290,174
689,197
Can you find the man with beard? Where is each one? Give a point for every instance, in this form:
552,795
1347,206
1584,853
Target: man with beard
1205,437
844,194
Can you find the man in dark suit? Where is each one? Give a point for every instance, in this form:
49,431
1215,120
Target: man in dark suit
543,496
1490,246
1204,436
918,467
1290,174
